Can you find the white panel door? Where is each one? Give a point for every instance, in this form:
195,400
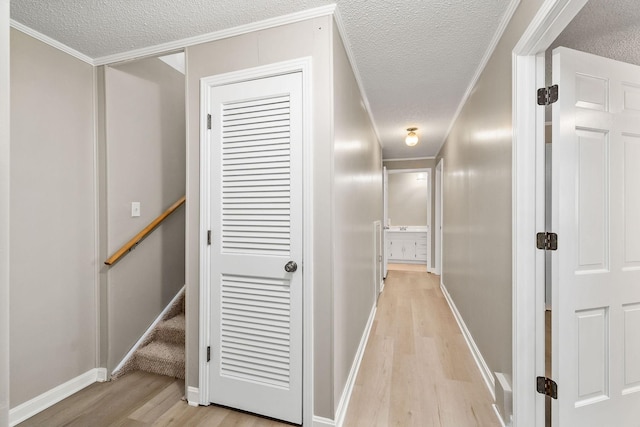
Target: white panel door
596,269
256,220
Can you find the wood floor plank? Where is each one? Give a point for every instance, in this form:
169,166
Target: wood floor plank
417,369
416,372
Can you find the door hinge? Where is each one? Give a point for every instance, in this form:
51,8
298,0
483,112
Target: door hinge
209,354
208,121
548,387
208,237
547,241
547,95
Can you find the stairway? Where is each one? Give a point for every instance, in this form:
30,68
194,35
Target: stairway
162,352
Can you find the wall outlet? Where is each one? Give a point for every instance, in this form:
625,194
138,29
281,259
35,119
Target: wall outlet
135,209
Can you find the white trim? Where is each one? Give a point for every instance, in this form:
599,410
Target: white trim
498,416
528,208
429,172
149,330
303,65
193,396
342,32
96,218
217,35
394,171
506,18
204,250
51,42
49,398
439,202
475,352
409,159
323,422
343,405
101,375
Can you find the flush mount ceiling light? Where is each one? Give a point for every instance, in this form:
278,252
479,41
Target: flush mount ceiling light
412,138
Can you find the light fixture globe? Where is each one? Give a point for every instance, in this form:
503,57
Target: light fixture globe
412,138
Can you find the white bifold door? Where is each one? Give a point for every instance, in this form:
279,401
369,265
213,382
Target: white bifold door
596,268
256,246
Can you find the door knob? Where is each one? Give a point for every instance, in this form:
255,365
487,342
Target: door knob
290,267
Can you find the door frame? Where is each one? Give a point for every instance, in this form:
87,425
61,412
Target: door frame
302,65
439,201
528,207
378,259
429,173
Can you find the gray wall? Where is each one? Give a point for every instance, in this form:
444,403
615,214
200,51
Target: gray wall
308,38
408,198
53,259
357,204
477,202
4,213
145,162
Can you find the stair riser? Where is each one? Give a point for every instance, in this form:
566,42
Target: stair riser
172,336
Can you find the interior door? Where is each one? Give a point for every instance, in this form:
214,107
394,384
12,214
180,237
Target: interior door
256,220
596,214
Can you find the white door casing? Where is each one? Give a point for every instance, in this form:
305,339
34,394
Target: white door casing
254,324
385,217
377,259
437,232
596,214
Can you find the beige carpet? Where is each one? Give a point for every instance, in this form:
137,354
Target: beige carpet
163,352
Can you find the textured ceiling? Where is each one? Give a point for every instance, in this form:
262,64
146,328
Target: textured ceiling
605,28
416,58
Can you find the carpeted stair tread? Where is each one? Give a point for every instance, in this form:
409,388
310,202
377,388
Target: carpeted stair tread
162,358
171,330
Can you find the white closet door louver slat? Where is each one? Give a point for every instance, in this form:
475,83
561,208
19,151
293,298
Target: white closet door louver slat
267,327
246,153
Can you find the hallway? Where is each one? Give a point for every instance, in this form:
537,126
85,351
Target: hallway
417,369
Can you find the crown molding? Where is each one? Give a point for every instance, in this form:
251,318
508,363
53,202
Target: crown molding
51,42
409,159
217,35
506,18
352,60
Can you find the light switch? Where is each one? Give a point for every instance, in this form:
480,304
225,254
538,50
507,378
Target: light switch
135,209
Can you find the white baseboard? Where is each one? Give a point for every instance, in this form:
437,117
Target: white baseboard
49,398
193,396
323,422
343,405
500,420
144,336
381,286
101,375
475,352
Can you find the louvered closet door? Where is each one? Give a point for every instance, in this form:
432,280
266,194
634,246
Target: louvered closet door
256,173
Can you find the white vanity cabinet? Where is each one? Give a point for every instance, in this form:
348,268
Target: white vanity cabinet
407,246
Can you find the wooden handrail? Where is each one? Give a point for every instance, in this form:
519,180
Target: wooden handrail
131,244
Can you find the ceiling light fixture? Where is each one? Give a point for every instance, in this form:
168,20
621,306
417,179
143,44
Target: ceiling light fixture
412,138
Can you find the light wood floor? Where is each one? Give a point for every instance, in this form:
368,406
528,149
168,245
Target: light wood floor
408,267
416,371
140,399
